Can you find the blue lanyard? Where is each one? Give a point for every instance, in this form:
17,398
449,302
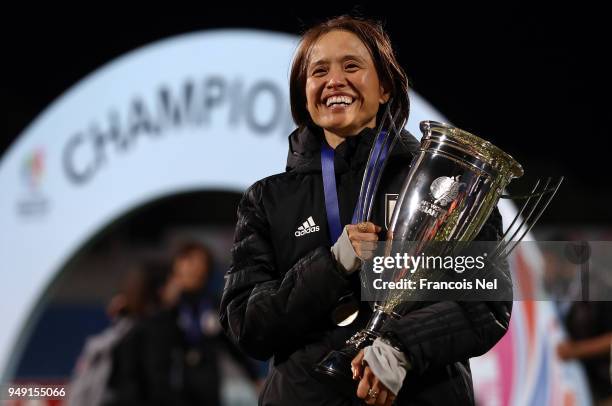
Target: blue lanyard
329,183
189,320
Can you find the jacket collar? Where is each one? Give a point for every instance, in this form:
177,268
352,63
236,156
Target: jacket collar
305,148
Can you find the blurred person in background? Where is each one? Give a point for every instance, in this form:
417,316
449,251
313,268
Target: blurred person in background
589,325
103,362
182,343
579,292
588,321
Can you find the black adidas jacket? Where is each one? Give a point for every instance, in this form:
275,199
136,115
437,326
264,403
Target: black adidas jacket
282,286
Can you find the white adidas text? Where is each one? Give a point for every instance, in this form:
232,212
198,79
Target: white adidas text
307,227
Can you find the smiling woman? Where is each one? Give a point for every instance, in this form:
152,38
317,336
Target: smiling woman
353,60
294,295
342,88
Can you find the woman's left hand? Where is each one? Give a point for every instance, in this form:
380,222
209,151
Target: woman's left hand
370,389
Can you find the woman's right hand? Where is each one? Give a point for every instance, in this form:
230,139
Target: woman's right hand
363,237
356,243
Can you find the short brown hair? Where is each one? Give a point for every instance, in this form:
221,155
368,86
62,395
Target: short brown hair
191,247
371,33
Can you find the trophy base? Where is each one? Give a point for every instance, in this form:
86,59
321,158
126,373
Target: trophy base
335,370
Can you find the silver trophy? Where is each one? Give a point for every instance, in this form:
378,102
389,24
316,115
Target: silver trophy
455,181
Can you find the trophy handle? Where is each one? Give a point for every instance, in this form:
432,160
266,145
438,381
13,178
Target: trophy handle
366,176
544,195
390,140
374,170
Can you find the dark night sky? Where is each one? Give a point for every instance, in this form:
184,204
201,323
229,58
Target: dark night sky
533,81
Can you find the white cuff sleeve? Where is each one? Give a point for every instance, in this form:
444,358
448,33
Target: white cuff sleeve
344,254
388,364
